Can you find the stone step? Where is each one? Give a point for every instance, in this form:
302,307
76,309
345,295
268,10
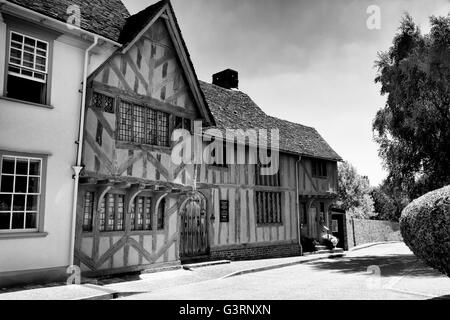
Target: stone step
323,251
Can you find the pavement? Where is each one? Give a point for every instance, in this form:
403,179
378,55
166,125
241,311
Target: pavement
130,285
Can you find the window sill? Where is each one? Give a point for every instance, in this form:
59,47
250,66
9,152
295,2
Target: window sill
141,146
46,106
23,235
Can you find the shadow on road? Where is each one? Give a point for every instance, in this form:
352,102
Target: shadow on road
390,265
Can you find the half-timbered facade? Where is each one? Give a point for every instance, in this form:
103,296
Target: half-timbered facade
133,206
266,211
131,192
136,209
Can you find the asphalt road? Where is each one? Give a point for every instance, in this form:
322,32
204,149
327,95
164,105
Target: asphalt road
382,272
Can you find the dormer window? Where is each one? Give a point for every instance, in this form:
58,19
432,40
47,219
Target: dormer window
27,68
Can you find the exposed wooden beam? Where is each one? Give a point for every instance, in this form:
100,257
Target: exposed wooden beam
120,75
122,185
105,182
145,100
88,180
144,30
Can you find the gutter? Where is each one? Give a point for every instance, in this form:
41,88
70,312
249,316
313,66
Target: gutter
43,18
78,167
297,205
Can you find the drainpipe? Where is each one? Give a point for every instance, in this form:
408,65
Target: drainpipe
77,168
297,203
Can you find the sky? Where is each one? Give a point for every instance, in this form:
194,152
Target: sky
310,62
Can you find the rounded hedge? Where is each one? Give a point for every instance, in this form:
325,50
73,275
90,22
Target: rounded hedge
425,227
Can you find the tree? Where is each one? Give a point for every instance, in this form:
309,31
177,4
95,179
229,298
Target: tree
413,129
384,205
354,192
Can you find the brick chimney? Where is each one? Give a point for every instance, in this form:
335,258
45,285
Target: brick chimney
227,79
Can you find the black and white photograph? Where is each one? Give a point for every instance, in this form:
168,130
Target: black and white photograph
200,152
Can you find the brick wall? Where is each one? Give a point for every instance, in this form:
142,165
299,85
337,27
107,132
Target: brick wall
361,231
255,251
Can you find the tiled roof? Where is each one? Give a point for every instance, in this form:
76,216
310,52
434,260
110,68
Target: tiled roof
138,21
103,17
236,110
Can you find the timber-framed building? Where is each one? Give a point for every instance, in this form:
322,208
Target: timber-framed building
135,208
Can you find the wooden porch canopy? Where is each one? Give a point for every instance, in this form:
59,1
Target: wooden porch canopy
135,183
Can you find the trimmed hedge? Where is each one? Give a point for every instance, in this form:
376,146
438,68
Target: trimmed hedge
425,227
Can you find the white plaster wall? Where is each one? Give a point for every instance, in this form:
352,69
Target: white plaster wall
27,128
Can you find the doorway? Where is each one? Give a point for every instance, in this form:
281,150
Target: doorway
194,240
312,223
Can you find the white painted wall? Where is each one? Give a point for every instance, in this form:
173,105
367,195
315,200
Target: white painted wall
27,128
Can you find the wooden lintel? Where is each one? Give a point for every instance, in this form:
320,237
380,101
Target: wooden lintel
105,182
144,100
139,186
88,180
122,185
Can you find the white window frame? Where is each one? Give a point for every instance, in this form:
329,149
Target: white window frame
21,66
26,194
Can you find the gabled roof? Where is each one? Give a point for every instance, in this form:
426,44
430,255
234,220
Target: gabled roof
236,110
139,23
136,23
103,17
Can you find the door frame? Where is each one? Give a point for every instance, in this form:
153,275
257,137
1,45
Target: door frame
183,201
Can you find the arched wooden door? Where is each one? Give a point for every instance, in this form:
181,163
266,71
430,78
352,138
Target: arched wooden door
194,238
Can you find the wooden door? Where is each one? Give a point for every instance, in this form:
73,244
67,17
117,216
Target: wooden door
312,223
194,227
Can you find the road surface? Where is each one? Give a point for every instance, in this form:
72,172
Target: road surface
387,271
